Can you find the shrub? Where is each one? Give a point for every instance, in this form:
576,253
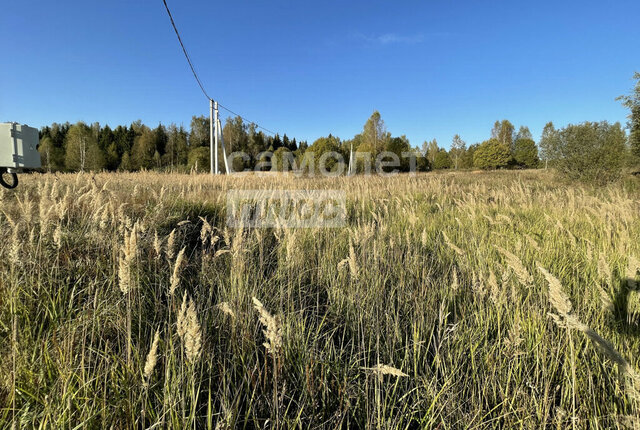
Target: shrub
491,154
526,153
279,159
442,160
592,151
199,159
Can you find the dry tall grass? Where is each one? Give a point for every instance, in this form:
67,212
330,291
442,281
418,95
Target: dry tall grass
126,301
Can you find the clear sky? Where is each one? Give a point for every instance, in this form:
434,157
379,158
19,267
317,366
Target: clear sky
432,68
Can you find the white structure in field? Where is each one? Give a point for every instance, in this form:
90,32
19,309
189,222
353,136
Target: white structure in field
18,147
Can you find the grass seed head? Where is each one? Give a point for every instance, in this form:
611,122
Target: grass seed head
171,245
152,359
16,245
126,260
272,330
451,245
181,326
514,263
604,271
494,288
558,298
193,334
424,238
175,276
384,369
124,275
157,244
225,308
205,231
353,262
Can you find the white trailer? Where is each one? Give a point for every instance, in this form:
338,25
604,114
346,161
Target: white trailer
18,151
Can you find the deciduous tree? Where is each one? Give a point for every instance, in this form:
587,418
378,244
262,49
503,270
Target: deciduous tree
430,150
442,160
524,133
503,132
549,144
235,135
143,150
592,151
375,135
199,159
632,101
199,135
52,156
82,151
458,147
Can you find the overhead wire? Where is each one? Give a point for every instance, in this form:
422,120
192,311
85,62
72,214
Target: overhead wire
186,54
273,133
195,75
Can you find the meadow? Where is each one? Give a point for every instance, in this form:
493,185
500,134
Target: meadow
456,300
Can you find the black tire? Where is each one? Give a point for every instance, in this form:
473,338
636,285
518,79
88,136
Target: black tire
4,183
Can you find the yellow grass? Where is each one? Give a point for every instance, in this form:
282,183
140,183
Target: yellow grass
127,301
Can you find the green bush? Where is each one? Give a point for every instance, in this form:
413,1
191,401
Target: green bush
526,153
592,151
199,159
442,160
491,154
279,159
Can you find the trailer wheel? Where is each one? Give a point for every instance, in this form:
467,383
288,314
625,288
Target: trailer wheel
3,180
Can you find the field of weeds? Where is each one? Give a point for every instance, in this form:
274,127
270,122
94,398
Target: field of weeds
447,301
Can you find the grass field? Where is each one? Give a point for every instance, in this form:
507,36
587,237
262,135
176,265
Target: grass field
461,300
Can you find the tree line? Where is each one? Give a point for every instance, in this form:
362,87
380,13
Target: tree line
592,151
80,146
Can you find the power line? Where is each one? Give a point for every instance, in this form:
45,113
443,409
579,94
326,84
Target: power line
195,75
273,133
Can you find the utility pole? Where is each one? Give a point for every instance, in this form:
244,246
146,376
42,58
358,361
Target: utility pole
211,136
224,151
214,123
215,154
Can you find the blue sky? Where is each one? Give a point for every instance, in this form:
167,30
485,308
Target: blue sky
432,68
